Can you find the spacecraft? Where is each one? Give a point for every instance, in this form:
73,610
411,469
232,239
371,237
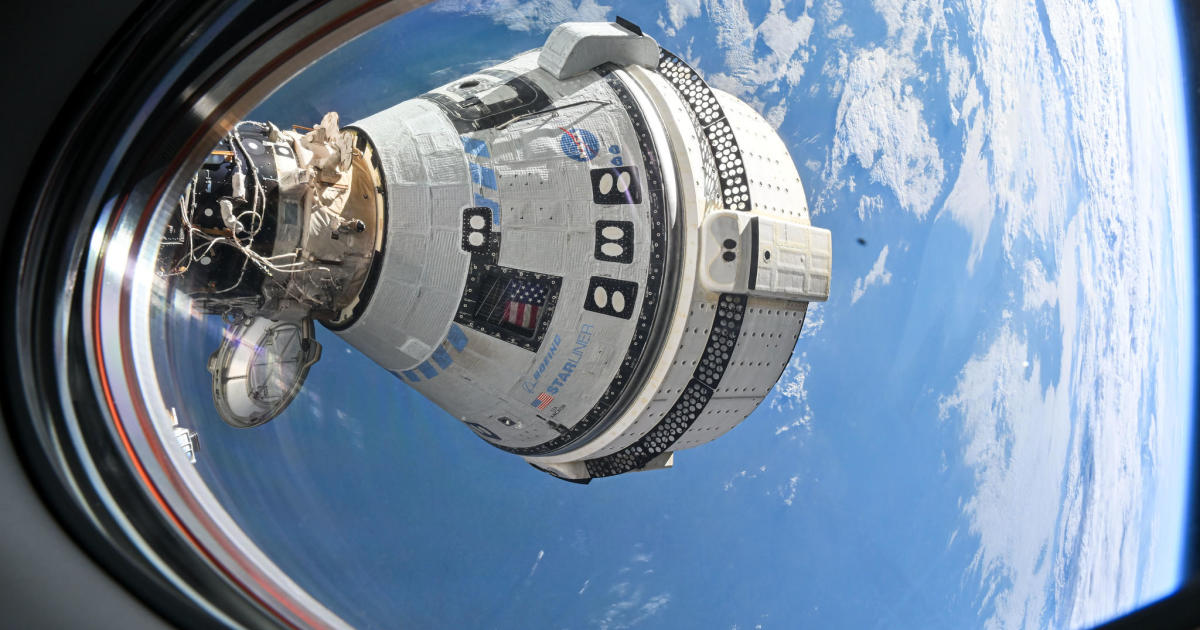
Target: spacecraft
586,254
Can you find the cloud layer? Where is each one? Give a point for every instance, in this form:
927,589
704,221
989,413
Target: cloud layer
1069,458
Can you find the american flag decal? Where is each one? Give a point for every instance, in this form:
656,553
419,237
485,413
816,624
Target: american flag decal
509,304
520,313
523,300
542,400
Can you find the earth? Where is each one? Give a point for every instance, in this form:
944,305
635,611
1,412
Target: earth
984,426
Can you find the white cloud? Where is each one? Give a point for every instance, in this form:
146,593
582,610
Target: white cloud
787,427
1018,121
536,562
776,114
735,32
742,474
585,585
841,31
1069,457
788,491
631,607
1016,439
1070,155
834,68
652,606
535,15
912,23
1066,458
869,205
970,201
679,12
745,69
831,11
880,124
877,275
1039,291
814,320
790,396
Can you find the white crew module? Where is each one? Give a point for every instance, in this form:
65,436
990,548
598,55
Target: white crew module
586,254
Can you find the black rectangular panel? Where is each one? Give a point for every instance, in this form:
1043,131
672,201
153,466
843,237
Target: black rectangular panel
477,234
614,185
610,296
614,241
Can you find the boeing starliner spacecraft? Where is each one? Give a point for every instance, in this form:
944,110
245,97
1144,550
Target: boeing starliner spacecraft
586,254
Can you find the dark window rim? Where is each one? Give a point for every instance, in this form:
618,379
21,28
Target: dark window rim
165,88
145,82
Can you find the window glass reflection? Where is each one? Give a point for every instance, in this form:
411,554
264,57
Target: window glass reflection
984,425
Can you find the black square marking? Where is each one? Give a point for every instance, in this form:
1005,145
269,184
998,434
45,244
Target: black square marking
477,234
611,297
616,185
614,241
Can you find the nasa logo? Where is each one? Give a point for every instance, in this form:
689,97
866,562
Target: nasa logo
579,144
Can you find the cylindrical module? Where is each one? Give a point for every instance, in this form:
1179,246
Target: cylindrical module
585,254
548,275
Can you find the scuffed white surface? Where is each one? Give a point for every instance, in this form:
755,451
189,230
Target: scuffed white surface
426,174
576,47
